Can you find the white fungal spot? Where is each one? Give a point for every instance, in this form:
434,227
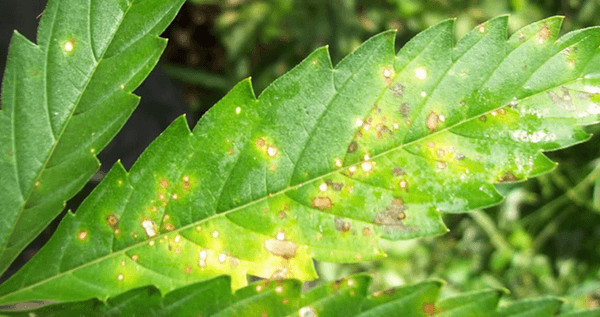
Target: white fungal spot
352,169
323,187
271,151
202,260
338,162
359,122
307,311
69,46
82,235
403,184
423,94
259,288
350,282
222,258
367,166
149,227
279,289
177,238
481,29
238,110
120,277
280,236
387,73
367,157
215,234
421,73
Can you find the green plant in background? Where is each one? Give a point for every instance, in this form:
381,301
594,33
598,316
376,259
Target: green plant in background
326,164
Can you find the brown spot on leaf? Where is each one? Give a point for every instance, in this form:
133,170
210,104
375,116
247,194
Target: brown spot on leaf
352,147
543,34
405,110
322,203
284,249
429,309
335,186
366,231
397,171
342,225
398,90
508,177
112,221
432,121
393,216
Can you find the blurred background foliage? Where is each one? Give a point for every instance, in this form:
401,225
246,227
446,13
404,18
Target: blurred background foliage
543,240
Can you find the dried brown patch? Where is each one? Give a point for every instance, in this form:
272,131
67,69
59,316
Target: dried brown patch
352,147
432,121
322,203
284,249
342,225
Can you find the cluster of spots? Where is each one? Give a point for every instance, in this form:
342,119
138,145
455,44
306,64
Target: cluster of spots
393,216
543,34
281,248
535,137
433,120
270,149
388,73
307,311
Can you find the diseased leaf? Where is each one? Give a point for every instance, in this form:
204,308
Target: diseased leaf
328,161
64,99
344,298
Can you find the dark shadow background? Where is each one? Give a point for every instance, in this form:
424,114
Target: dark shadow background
161,103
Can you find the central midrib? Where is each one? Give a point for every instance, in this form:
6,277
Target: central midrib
256,201
280,192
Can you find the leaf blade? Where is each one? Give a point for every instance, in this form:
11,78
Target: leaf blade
191,196
70,85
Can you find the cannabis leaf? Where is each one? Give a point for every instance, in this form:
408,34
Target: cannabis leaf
64,99
328,161
345,297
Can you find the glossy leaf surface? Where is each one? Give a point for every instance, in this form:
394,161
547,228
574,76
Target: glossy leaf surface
64,99
327,161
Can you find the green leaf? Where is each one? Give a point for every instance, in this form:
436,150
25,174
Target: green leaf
273,298
64,99
326,162
546,306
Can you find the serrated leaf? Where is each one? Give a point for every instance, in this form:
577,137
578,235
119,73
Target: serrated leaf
64,99
345,298
328,161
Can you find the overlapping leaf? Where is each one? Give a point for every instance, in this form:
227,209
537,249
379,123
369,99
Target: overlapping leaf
64,99
327,161
346,297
